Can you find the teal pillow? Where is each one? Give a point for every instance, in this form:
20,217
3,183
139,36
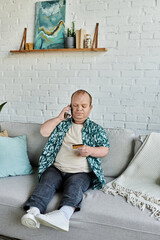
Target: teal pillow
13,157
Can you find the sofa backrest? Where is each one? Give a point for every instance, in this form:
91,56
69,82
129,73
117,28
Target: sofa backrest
120,153
35,141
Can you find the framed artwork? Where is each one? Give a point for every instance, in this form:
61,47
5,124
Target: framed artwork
50,24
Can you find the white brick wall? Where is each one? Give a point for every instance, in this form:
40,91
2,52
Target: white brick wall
124,82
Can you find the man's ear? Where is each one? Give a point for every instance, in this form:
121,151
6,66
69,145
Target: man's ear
91,107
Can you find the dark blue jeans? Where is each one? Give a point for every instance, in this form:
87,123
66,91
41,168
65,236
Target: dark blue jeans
73,185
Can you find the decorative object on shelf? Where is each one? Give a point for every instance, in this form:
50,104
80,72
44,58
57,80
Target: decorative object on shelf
71,32
29,46
49,24
88,41
26,46
80,38
23,39
77,38
2,105
95,38
69,41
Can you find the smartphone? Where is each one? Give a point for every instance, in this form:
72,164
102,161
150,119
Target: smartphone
69,113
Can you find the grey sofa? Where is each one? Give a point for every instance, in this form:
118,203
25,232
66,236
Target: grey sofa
102,216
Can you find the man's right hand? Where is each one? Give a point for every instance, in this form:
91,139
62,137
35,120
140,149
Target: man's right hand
61,116
48,126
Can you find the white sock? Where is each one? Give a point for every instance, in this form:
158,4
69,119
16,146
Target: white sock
67,210
34,211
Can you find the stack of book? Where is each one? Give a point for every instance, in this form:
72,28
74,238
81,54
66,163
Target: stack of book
80,38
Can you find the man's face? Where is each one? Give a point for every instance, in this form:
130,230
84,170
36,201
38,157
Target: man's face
81,107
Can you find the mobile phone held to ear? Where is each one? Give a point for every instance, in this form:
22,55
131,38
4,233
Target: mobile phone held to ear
68,114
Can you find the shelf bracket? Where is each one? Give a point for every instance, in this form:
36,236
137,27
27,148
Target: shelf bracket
23,39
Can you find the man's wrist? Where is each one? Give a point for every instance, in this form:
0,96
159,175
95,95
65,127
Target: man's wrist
91,151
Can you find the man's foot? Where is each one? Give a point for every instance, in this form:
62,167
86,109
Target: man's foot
55,219
29,219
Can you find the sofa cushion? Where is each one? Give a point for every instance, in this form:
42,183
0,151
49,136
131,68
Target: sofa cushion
13,157
16,190
101,214
103,210
120,153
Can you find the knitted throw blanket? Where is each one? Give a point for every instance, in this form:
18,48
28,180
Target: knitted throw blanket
140,182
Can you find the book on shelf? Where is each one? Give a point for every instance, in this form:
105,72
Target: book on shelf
80,38
77,38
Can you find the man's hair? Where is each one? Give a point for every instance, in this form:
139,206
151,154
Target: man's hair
81,91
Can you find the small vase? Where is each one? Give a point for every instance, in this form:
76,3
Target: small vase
69,42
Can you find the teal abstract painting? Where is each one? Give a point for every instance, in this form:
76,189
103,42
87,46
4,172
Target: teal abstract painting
50,24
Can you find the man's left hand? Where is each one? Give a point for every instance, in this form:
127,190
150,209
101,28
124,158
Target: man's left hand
85,150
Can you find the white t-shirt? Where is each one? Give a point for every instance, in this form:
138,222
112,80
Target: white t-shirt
68,159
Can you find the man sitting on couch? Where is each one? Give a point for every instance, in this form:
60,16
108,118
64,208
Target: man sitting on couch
65,166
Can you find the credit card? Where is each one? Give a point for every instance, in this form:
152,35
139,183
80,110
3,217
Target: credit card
75,146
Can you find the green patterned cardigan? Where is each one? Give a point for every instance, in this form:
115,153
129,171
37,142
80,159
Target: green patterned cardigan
92,135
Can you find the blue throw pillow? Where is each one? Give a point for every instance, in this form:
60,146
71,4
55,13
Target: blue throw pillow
13,157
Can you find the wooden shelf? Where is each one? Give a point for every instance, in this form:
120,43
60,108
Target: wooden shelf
61,50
